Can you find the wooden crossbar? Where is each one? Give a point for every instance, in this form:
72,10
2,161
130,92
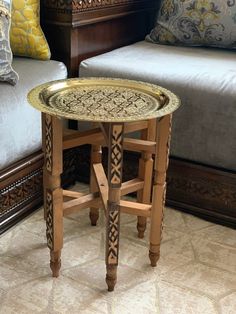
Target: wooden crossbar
68,195
85,201
137,145
82,201
74,139
131,186
95,136
102,183
134,208
135,126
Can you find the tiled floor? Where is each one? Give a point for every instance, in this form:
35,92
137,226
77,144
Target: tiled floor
196,273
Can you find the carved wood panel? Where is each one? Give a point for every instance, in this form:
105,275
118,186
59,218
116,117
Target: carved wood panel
83,5
20,191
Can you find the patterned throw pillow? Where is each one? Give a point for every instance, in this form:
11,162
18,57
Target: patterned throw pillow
196,23
27,38
7,74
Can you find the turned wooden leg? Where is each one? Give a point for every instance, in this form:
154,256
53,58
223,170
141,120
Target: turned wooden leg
159,186
115,159
145,174
96,157
53,199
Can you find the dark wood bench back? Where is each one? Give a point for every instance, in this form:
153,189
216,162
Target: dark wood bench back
79,29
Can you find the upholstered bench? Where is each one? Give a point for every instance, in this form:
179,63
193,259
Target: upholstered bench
20,125
21,157
20,140
204,79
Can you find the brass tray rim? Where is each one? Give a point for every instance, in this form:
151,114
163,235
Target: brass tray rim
34,97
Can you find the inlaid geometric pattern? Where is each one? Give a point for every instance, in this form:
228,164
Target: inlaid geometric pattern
103,102
48,142
20,192
116,154
113,234
159,172
49,219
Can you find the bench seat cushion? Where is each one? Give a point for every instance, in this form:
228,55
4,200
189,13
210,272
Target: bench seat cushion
204,127
20,124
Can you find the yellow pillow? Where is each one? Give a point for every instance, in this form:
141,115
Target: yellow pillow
27,38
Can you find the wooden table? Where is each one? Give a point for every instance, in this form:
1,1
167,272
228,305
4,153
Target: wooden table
118,107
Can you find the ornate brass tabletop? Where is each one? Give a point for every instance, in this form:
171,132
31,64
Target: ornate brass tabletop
103,99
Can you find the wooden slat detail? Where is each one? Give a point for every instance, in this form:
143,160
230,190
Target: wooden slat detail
67,132
131,186
105,130
136,145
80,138
134,208
96,137
102,183
68,195
131,144
89,200
135,126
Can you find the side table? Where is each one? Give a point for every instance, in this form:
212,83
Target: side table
117,106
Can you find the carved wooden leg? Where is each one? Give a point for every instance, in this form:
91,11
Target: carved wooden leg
52,147
96,157
115,159
159,186
145,173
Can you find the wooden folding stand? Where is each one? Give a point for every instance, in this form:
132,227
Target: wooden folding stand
121,103
105,192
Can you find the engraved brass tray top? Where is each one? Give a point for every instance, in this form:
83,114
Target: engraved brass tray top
103,99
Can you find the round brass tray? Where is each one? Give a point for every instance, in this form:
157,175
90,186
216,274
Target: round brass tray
103,99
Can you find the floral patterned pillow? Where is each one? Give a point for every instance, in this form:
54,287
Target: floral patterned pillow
196,23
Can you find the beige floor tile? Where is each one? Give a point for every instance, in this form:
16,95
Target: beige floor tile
143,298
175,253
25,265
194,223
71,228
203,279
183,222
93,274
134,255
228,304
56,295
219,234
176,300
99,305
19,241
11,276
102,305
129,231
213,254
75,251
195,274
126,219
37,215
12,304
79,250
174,219
77,229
